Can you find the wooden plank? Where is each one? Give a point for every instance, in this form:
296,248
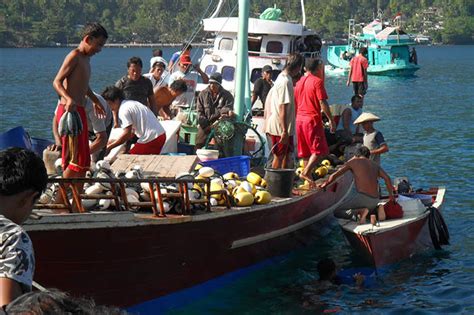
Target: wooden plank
156,165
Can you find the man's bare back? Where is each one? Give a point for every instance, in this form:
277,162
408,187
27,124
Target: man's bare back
366,174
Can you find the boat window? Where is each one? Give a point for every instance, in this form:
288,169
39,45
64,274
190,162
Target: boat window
210,69
274,47
257,73
255,44
228,73
226,44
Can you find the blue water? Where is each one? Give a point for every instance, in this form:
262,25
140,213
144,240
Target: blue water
427,121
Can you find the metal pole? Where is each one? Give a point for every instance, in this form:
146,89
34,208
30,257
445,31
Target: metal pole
242,56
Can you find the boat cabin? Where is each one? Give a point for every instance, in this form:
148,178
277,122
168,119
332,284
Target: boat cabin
269,43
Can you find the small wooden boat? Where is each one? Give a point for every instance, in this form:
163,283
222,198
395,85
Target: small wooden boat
390,241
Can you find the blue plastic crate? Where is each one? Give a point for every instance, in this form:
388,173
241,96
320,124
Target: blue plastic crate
237,164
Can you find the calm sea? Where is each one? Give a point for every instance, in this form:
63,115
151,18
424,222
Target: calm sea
427,121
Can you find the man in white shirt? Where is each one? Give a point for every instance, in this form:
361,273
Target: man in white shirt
135,118
280,114
158,75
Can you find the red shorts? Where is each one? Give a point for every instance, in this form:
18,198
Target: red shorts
152,147
311,138
75,150
280,149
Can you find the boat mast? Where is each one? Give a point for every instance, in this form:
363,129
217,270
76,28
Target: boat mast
242,80
303,13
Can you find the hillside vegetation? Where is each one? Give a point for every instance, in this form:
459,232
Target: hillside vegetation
27,23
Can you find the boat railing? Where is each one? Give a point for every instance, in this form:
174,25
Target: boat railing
118,195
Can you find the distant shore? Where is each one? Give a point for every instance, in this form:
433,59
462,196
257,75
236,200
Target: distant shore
117,45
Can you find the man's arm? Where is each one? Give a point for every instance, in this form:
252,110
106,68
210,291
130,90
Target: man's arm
325,107
10,290
335,175
99,110
165,112
202,119
383,148
68,66
204,77
99,142
388,183
124,137
282,121
153,104
349,76
57,138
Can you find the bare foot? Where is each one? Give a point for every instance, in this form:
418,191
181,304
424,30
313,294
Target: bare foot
363,215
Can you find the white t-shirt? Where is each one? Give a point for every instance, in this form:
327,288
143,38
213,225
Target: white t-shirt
17,259
191,79
144,123
158,83
280,93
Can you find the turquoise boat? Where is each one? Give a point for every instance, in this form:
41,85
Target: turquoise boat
388,48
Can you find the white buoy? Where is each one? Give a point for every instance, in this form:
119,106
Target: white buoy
94,189
104,204
132,198
214,202
103,164
145,196
130,191
217,180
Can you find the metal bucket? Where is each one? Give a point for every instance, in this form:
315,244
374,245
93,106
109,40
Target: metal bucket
279,181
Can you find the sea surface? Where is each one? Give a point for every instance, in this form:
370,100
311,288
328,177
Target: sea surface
427,121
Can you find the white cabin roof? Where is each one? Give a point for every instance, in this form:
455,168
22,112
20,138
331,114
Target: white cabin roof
256,26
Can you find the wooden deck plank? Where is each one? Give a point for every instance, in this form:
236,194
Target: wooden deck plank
156,165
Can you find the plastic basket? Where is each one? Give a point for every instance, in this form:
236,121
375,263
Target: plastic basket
237,164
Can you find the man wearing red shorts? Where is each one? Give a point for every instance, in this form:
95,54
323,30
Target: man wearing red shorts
310,98
135,118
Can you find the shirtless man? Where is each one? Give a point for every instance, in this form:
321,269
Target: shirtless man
165,95
72,85
364,197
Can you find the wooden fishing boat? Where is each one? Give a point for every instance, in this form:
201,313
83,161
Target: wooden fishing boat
126,258
390,241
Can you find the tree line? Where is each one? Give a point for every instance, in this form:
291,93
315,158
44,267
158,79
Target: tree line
31,23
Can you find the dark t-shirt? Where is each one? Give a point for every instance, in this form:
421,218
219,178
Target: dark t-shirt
138,90
261,88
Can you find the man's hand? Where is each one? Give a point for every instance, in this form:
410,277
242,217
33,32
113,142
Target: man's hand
332,126
348,82
54,147
284,138
70,105
99,110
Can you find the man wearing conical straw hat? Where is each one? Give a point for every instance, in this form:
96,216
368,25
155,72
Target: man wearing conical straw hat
373,139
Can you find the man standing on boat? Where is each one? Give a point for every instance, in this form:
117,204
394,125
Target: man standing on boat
212,103
358,72
185,50
373,139
310,100
187,74
136,87
262,85
135,119
280,114
364,194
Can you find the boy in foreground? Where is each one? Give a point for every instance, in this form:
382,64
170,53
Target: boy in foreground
22,180
72,85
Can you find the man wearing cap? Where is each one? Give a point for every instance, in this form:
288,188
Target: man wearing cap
212,103
136,87
190,77
373,139
158,74
262,85
185,50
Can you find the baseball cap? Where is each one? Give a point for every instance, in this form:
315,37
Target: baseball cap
216,77
185,60
267,68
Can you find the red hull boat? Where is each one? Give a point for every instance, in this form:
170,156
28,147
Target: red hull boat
125,258
394,240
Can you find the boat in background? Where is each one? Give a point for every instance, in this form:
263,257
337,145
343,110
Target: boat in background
422,227
388,49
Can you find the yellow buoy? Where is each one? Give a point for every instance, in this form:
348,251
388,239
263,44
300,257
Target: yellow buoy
321,171
262,197
326,163
263,183
244,199
254,178
299,170
230,175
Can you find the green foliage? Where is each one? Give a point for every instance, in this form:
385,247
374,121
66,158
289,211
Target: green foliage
26,23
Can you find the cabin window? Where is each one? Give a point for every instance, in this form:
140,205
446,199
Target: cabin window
226,44
210,69
228,73
274,47
255,44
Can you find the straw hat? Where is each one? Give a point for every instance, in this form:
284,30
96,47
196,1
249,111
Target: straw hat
366,117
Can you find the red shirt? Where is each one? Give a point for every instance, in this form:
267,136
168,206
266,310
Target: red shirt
357,63
309,91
